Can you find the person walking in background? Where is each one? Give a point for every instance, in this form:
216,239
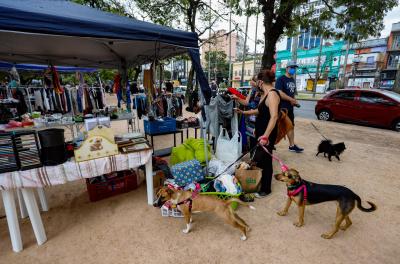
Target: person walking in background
287,84
251,102
266,129
214,88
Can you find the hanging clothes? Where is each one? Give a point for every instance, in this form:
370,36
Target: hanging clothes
67,94
46,103
38,101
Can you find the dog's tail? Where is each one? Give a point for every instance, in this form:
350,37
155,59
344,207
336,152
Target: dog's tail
359,205
228,202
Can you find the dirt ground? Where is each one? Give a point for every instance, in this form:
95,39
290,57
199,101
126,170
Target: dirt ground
124,229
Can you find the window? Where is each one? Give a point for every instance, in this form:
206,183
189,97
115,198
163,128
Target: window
236,73
371,60
372,98
345,95
396,42
248,72
240,72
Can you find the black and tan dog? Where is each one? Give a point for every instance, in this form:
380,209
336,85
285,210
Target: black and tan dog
307,193
187,204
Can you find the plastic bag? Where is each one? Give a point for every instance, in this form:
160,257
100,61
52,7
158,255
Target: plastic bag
228,150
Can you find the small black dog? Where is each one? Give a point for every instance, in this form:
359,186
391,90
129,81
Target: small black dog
327,147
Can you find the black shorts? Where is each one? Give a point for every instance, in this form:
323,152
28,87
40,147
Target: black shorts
290,114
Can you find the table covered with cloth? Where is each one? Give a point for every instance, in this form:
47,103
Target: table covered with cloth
72,171
26,181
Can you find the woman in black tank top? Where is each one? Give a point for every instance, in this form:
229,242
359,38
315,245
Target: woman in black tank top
266,127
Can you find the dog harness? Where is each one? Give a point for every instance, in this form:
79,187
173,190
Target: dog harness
303,188
189,201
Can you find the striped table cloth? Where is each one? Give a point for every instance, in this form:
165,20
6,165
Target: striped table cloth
72,171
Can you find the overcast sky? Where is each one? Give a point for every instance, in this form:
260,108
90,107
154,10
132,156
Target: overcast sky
392,17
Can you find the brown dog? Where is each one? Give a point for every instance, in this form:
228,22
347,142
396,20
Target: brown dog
187,203
307,193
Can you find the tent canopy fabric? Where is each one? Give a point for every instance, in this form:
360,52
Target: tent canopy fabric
60,32
36,67
104,38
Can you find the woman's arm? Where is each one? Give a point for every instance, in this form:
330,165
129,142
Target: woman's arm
244,102
273,105
248,112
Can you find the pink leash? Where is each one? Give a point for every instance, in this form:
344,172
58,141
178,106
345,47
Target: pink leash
284,167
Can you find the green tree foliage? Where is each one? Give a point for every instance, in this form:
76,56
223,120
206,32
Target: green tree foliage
112,6
283,17
195,15
218,64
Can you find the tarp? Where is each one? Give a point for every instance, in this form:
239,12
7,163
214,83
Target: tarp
37,67
60,32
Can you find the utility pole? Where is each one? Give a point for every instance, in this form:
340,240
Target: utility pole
209,47
230,48
255,46
245,43
346,56
318,65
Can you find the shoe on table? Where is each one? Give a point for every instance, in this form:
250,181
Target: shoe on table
261,194
296,149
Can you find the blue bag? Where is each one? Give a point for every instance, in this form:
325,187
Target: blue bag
187,172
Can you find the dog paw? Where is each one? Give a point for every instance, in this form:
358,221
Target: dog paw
327,236
185,231
298,224
282,213
243,238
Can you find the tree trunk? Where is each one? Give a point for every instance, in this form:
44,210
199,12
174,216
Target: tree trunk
274,25
269,51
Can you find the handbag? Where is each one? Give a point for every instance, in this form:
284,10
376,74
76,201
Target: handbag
249,179
187,172
228,150
284,125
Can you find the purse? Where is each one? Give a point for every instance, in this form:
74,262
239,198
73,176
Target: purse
187,172
284,125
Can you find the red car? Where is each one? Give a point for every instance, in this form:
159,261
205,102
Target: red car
364,106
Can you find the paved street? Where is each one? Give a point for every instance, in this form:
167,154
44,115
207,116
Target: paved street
306,110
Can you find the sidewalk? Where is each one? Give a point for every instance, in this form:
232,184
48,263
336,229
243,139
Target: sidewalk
309,96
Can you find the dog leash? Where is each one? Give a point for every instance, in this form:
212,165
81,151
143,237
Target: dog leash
319,132
243,155
284,167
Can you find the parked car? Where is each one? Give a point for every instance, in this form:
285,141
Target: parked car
180,90
364,106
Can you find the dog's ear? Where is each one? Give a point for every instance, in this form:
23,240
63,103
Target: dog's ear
170,191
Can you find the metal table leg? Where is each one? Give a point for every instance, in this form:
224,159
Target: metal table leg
149,181
34,215
12,219
42,199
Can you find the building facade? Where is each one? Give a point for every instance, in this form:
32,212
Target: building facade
367,64
307,39
248,72
390,76
331,63
219,41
